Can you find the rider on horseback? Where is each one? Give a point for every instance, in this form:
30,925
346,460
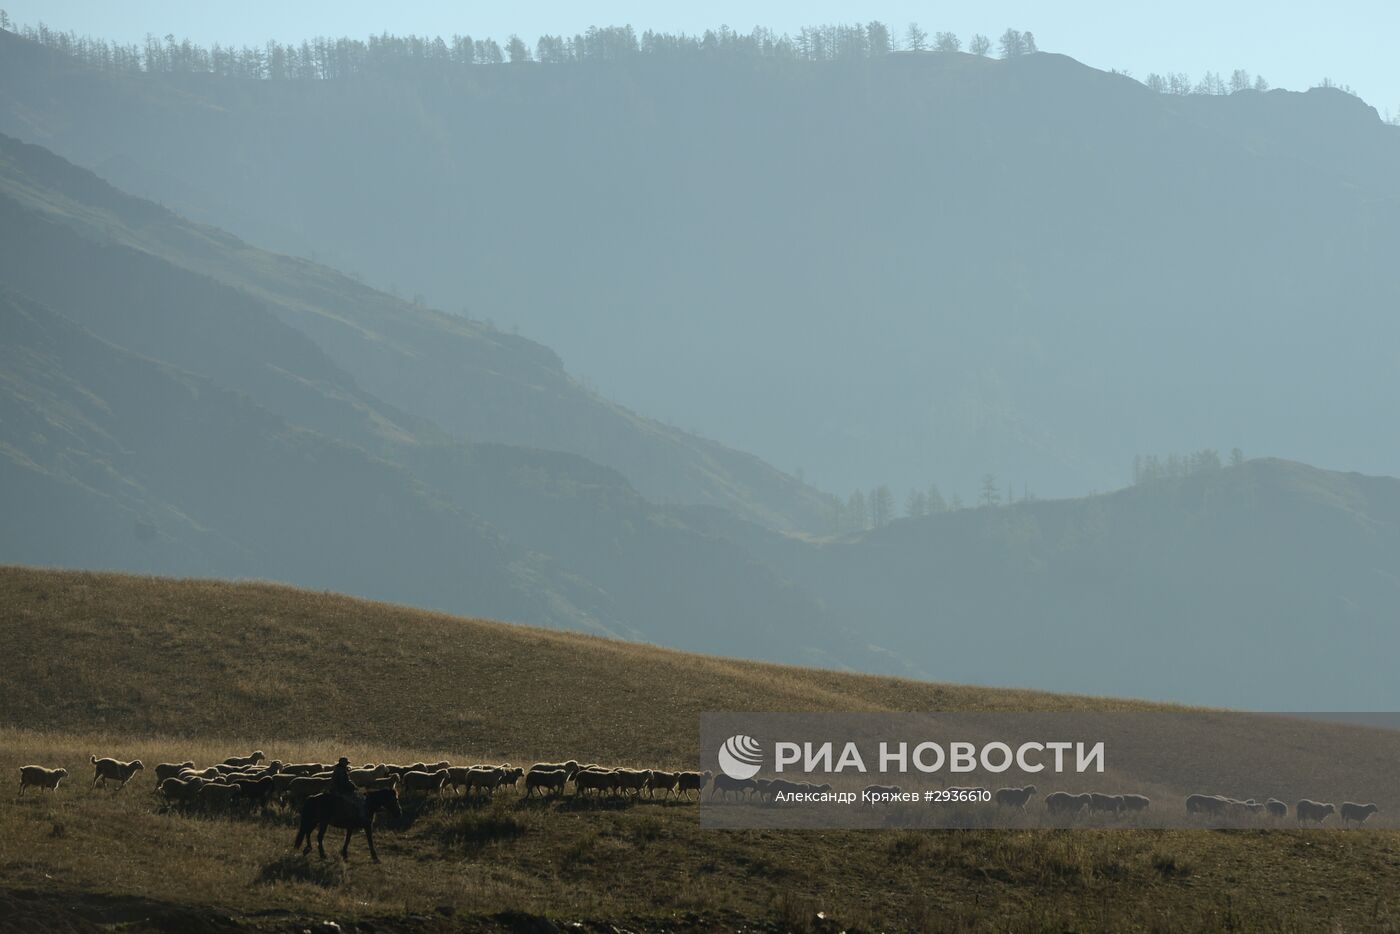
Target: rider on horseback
344,788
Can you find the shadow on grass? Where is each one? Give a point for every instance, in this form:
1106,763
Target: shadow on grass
476,830
293,867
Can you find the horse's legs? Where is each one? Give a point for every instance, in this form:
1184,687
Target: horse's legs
321,838
369,838
345,850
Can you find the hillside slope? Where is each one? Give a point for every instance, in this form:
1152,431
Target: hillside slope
569,542
926,266
164,669
113,460
474,382
1238,587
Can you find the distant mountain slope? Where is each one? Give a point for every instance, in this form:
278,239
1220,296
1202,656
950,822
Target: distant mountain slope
1272,585
114,460
474,382
923,266
218,474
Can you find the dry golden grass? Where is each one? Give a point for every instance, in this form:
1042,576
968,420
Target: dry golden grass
160,669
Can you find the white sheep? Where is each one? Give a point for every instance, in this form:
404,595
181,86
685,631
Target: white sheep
37,776
545,780
364,777
595,779
1316,811
213,793
1351,811
423,781
1276,808
724,786
1062,802
1015,797
114,770
180,789
1205,804
241,762
662,781
306,768
302,787
693,781
1136,802
170,770
569,767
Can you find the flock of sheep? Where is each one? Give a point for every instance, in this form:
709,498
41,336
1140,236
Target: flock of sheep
1064,803
255,780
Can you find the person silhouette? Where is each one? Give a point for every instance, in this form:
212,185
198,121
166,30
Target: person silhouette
345,788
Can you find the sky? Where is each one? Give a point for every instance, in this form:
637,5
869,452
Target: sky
1294,44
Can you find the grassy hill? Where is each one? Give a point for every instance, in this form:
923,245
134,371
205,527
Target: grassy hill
160,668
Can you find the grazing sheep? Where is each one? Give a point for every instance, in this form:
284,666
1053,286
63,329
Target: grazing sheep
306,768
1276,808
363,777
208,774
1351,811
114,770
170,770
693,781
256,790
663,781
1236,806
423,781
568,768
1062,802
388,781
596,779
1316,811
302,787
510,775
781,786
724,786
242,762
1136,802
483,779
545,780
283,780
179,789
1101,803
1013,797
1205,804
632,780
40,777
216,795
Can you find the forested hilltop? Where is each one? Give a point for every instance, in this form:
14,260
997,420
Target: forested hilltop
883,268
328,58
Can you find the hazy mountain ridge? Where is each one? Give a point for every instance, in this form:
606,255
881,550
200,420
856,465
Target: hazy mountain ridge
1227,587
473,381
896,255
205,480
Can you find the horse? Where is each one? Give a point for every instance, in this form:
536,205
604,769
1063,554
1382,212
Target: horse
331,810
